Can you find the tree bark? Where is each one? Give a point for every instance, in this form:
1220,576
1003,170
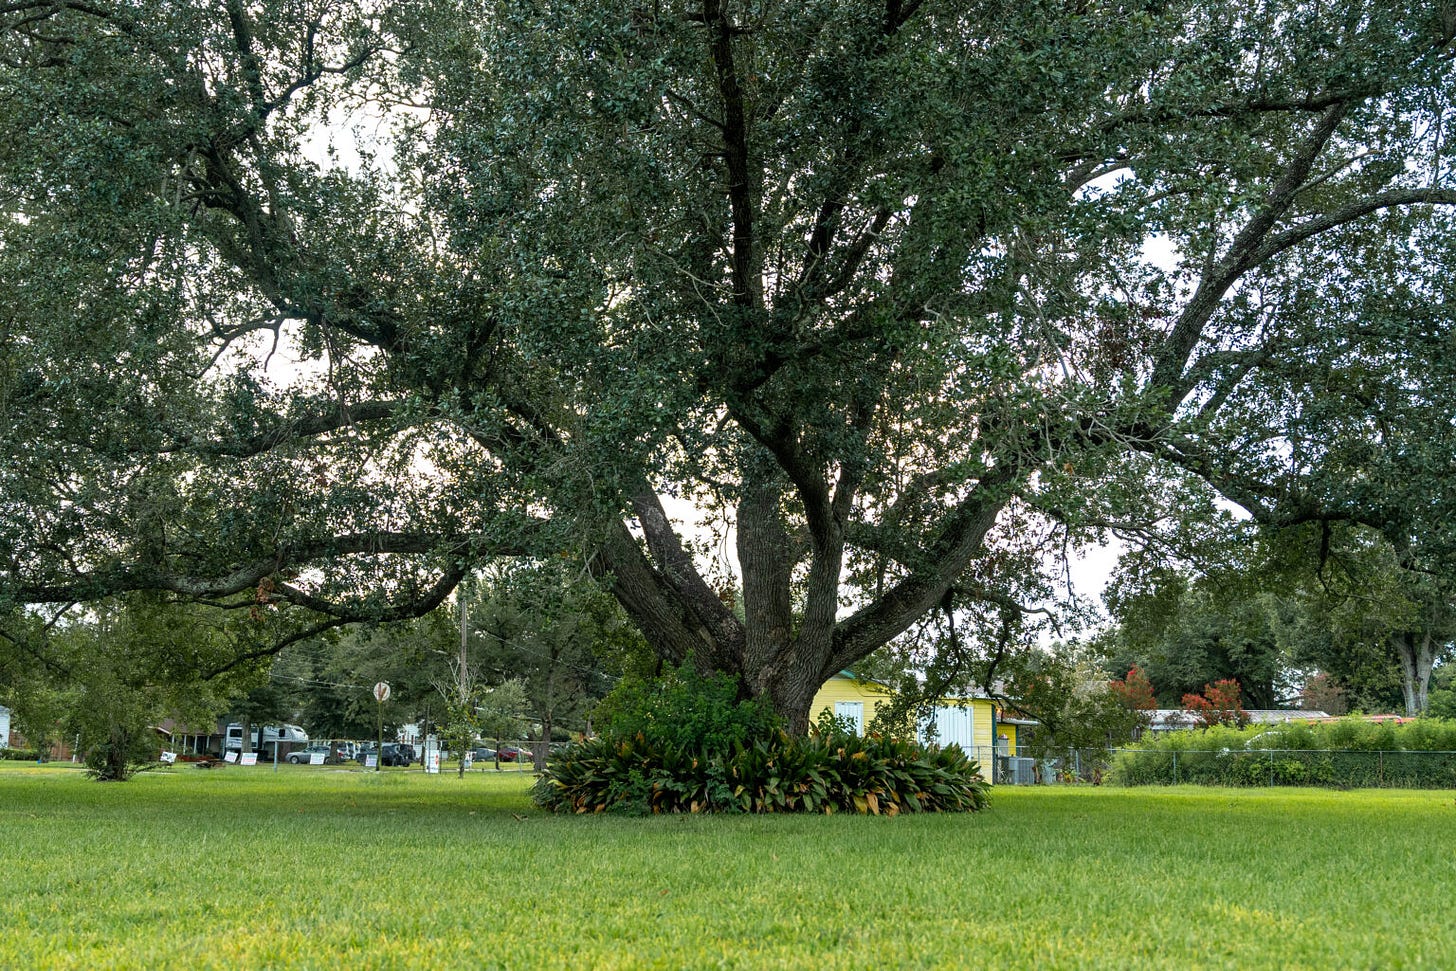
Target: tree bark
792,692
1417,657
765,559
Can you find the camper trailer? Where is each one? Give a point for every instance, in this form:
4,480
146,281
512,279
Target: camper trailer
287,736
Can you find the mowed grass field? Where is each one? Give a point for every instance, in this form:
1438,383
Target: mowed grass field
327,868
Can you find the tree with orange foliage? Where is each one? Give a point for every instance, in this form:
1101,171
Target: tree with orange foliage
1219,704
1135,691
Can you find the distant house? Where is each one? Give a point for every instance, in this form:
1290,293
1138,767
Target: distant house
1179,719
11,738
978,725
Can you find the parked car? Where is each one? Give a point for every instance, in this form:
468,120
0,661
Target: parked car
510,753
305,755
483,754
397,754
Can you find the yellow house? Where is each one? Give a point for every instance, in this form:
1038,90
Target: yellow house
977,725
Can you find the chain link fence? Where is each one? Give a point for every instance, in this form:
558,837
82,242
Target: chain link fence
1336,768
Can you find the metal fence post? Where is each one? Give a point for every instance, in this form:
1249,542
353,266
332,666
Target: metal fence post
1175,767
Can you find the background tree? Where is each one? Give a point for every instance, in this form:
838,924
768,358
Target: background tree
460,725
108,676
1186,631
500,712
260,706
1269,607
1075,705
325,683
1322,693
1376,617
1443,692
1325,636
561,635
30,676
715,253
330,679
1134,691
1219,703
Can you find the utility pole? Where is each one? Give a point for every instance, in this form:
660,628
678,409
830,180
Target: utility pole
464,639
464,673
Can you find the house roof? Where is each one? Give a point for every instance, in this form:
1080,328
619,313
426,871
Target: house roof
1174,718
971,697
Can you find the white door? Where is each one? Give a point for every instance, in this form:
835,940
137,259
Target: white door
853,712
955,726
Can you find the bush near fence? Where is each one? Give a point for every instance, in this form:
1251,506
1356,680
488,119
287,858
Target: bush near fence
1351,753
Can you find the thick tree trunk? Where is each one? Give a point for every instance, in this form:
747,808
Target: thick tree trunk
774,651
792,692
1417,657
766,561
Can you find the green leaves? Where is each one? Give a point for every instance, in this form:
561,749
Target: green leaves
775,773
1348,753
936,273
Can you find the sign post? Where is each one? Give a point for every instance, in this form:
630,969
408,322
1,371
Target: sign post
381,695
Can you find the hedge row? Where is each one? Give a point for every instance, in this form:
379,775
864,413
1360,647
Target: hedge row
776,773
19,755
1351,753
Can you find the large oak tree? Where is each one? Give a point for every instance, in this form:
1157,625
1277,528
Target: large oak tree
877,284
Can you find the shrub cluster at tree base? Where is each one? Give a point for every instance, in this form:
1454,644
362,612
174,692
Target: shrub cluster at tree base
775,773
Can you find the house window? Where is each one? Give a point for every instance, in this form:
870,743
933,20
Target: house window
853,712
955,726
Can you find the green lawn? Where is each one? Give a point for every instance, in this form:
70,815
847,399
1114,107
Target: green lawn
323,868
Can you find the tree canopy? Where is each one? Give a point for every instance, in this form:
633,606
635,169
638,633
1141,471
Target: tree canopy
893,289
1273,608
